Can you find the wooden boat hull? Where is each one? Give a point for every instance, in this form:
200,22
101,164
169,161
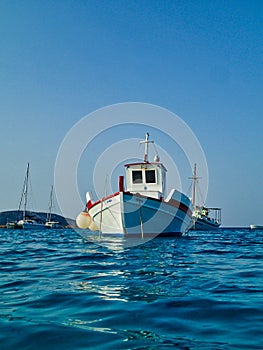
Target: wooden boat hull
136,215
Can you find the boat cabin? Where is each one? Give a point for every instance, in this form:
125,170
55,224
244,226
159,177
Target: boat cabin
146,178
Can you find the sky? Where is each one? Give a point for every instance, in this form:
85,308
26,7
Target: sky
202,60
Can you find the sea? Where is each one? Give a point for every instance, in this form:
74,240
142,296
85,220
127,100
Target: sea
61,291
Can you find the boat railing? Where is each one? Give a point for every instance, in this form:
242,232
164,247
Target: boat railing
215,214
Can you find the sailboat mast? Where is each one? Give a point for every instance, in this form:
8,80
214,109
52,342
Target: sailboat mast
26,191
194,185
50,204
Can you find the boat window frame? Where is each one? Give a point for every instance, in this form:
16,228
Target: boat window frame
135,180
152,171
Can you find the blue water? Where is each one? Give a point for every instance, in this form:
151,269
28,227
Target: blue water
203,291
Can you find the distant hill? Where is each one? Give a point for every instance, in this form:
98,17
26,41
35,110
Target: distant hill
13,215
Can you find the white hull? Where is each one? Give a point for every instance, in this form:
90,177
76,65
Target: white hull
128,214
53,224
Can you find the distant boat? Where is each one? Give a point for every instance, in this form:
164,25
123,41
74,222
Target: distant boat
142,209
205,218
26,222
11,224
49,223
256,227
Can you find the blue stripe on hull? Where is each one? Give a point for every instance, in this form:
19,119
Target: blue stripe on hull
205,225
150,216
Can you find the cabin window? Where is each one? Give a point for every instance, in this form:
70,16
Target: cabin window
150,176
137,176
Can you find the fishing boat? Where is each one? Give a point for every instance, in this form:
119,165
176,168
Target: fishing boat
26,222
51,224
141,208
204,218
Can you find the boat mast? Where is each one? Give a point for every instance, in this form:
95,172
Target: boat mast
194,178
50,204
26,190
146,147
24,193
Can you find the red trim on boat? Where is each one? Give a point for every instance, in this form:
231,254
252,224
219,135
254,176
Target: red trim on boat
89,204
140,163
172,202
144,164
103,199
180,205
121,183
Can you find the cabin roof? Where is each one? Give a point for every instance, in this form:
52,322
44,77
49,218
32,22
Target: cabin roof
146,163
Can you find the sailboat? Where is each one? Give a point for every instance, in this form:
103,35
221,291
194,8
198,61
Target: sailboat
49,223
142,209
205,218
25,222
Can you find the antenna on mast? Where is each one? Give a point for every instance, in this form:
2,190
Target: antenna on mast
146,142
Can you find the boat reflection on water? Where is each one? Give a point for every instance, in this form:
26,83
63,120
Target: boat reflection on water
113,242
116,273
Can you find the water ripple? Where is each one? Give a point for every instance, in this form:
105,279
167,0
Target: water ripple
198,292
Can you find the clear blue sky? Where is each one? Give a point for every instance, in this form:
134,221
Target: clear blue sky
203,60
